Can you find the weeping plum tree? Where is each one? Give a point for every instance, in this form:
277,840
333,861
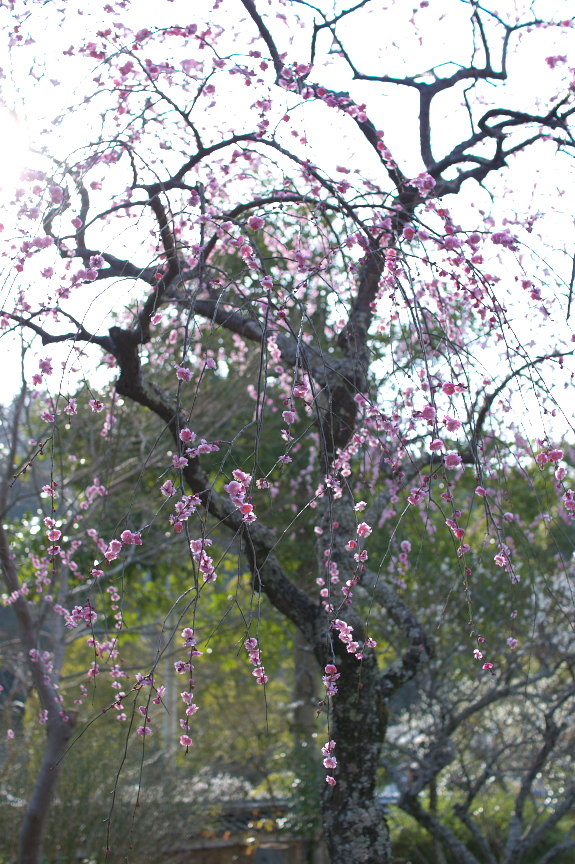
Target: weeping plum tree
340,208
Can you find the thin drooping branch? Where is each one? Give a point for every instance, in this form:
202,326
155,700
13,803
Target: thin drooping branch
490,398
259,541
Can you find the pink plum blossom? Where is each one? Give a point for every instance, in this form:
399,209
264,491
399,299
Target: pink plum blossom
187,435
144,731
113,551
56,194
424,183
452,459
451,423
183,373
256,223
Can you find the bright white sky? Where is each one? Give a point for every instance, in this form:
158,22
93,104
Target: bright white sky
538,176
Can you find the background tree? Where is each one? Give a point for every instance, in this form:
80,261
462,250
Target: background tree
488,773
193,197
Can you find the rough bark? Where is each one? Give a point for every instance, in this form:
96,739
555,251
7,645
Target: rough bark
354,821
305,689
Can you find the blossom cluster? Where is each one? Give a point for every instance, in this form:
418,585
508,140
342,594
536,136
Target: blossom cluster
183,509
237,489
79,615
181,667
345,632
142,681
330,678
43,657
203,560
424,183
552,456
255,655
329,761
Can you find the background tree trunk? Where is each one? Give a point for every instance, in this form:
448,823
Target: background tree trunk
33,826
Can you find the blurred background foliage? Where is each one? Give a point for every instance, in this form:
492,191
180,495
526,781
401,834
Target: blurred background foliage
253,743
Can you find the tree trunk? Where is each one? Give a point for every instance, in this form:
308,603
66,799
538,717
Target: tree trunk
34,824
355,826
59,724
